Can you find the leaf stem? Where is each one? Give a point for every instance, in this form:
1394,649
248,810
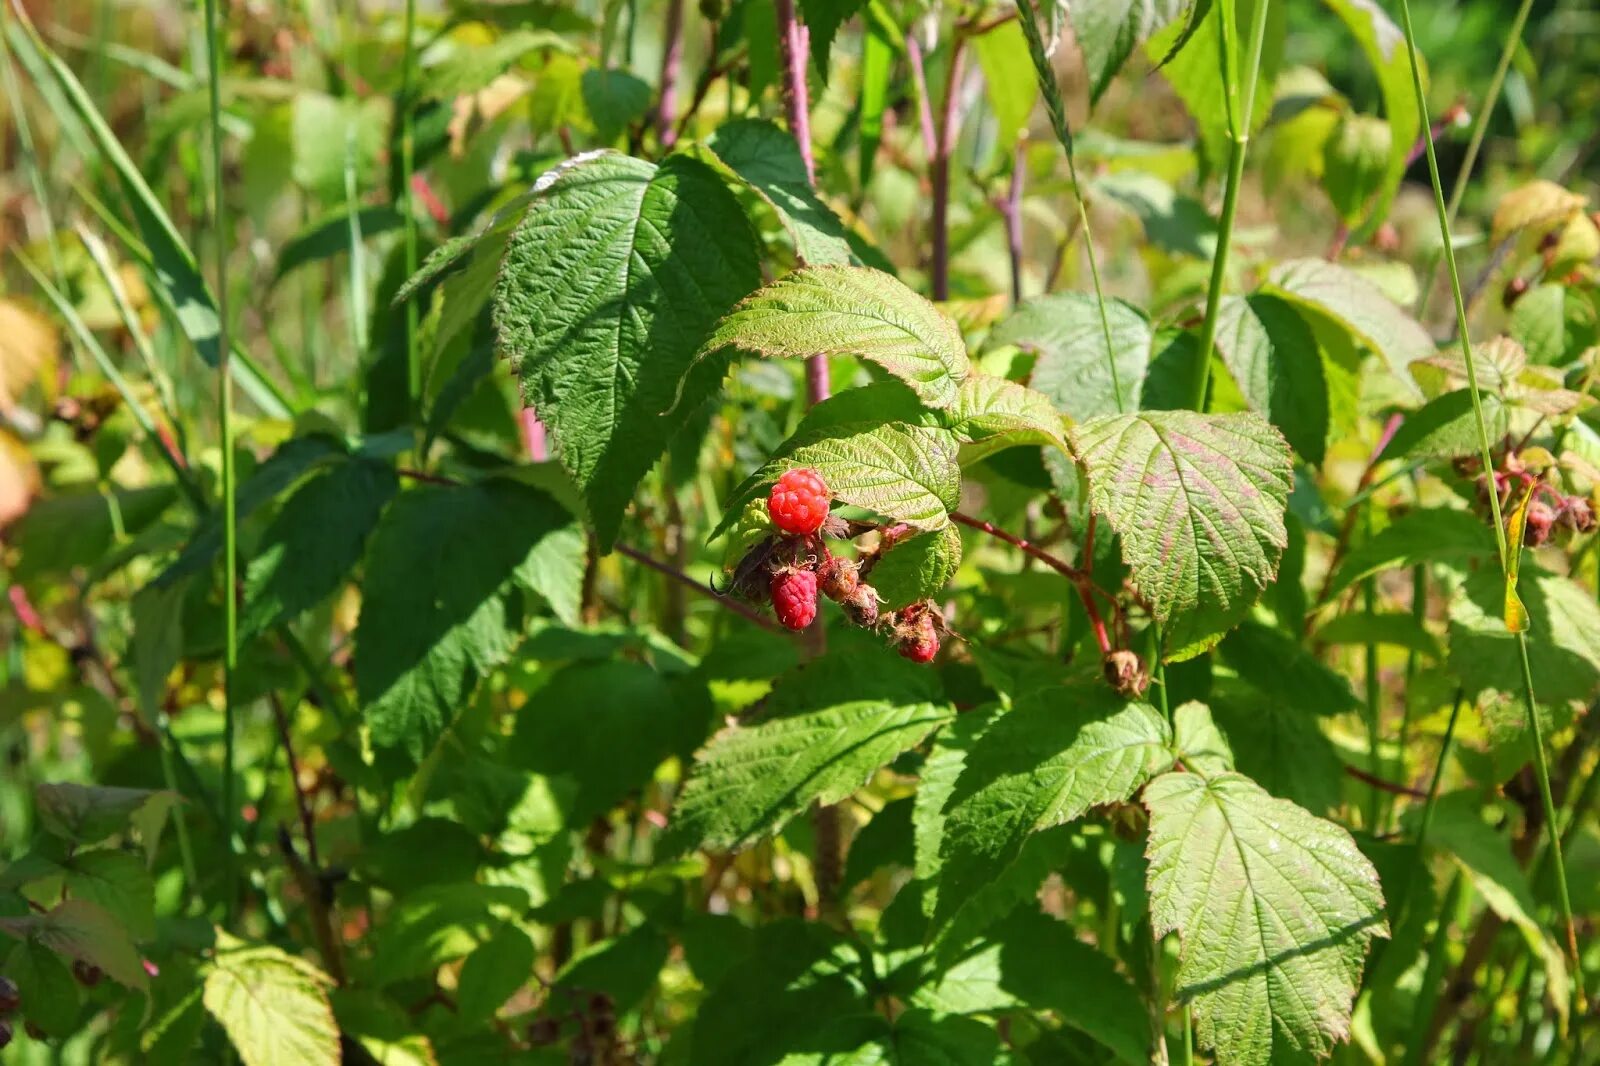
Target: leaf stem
230,533
1058,123
1239,122
1541,768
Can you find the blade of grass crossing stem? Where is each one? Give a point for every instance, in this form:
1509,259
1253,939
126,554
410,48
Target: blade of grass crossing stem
1540,764
177,273
130,321
1029,18
407,208
1239,119
1480,127
230,553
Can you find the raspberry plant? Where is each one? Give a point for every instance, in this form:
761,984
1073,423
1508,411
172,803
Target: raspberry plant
753,532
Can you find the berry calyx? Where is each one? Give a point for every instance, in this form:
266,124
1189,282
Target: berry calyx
794,598
798,502
1577,514
838,579
10,996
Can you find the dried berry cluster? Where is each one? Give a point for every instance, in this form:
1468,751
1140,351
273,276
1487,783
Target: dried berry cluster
790,568
1548,510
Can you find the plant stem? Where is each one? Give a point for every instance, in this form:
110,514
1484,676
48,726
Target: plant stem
408,213
1541,769
671,68
1058,123
939,171
794,42
1239,122
743,610
1480,127
1012,210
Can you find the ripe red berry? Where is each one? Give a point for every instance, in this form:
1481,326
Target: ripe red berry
794,597
921,646
799,502
10,996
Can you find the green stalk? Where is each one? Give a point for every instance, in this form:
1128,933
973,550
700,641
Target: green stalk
1427,995
30,157
1374,693
1480,127
230,532
407,208
1051,92
1541,769
1239,142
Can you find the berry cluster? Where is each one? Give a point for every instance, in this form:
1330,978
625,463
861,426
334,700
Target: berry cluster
791,568
1549,509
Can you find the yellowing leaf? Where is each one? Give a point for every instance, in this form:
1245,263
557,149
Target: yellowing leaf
1516,615
273,1006
1536,205
29,349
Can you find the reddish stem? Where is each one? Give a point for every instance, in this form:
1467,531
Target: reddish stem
939,171
671,66
795,43
1012,210
1383,784
1080,578
919,76
743,610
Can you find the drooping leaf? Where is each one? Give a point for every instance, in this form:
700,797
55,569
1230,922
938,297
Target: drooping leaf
769,160
827,727
1046,763
916,568
1073,369
1355,164
614,99
1108,31
1198,501
1426,535
905,473
1273,357
601,309
1384,46
1274,909
442,570
827,310
1356,304
1540,204
273,1005
823,19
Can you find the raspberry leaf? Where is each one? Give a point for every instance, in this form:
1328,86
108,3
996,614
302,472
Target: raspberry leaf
273,1006
84,931
1274,908
1073,370
601,309
768,160
1273,357
1198,501
917,568
1320,288
992,413
828,310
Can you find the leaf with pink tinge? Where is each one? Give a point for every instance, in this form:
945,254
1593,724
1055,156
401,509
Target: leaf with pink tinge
1198,501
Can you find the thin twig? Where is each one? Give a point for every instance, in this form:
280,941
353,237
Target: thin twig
1383,784
939,170
743,610
1080,578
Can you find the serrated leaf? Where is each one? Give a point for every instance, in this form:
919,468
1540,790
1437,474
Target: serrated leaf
470,67
1356,304
769,160
50,994
1107,31
905,473
830,725
273,1006
1540,204
437,612
1555,323
88,814
1384,46
1047,762
1273,358
1281,667
916,568
1564,623
1426,535
823,19
1280,747
119,884
827,310
1198,501
601,309
314,541
79,929
1447,427
1274,908
1073,369
991,413
1197,742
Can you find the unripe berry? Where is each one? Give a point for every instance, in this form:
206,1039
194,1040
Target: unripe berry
794,598
1126,673
838,579
921,645
862,606
798,502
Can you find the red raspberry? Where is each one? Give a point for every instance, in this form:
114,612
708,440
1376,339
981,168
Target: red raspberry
794,597
799,502
920,646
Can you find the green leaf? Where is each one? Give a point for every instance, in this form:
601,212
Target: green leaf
73,529
1282,668
314,541
601,307
1447,427
1280,746
438,610
120,884
1191,56
615,100
992,413
827,728
1539,205
1355,164
1395,628
1274,909
573,724
769,161
626,968
468,68
905,473
79,929
1273,357
273,1006
1108,31
823,19
1563,644
1198,501
828,310
916,568
1010,85
1555,323
1426,535
51,997
1178,224
88,814
1355,304
1385,49
332,134
1197,743
1047,762
1073,369
942,768
493,973
330,236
